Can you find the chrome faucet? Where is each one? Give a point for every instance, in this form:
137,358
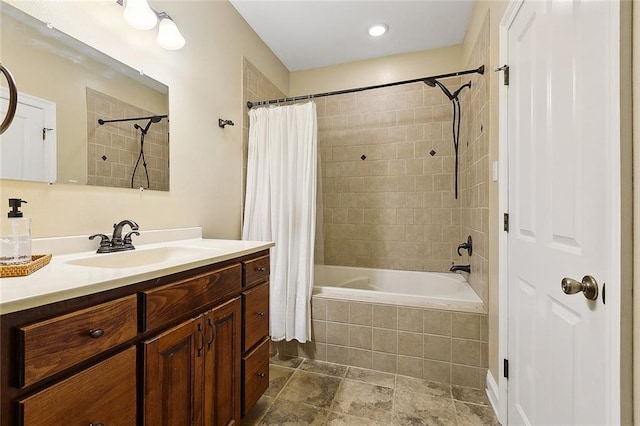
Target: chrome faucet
117,242
463,268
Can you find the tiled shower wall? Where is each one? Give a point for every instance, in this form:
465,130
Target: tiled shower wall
113,148
387,167
474,165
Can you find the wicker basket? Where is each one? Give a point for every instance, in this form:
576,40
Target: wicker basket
24,269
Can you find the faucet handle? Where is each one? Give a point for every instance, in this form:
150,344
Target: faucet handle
127,237
104,240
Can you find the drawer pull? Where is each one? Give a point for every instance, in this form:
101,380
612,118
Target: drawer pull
96,333
261,314
96,424
261,375
261,269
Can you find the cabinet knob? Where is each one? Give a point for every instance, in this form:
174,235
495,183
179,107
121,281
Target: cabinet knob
261,375
96,424
96,333
261,269
261,314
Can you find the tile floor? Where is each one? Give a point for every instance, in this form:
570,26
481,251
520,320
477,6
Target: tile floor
307,392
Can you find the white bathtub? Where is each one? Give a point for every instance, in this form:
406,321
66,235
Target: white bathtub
441,290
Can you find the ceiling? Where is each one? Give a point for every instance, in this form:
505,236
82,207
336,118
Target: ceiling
307,34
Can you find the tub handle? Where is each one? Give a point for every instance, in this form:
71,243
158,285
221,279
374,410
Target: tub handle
468,246
13,100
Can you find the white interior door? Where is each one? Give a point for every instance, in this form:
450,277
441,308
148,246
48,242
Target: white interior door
563,202
28,147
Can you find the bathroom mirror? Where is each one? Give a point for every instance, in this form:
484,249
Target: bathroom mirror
78,86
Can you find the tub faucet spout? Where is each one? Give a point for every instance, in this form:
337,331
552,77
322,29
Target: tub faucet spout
463,268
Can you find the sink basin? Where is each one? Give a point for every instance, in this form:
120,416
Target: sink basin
137,258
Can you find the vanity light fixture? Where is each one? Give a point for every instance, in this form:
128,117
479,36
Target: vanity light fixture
378,29
169,36
139,15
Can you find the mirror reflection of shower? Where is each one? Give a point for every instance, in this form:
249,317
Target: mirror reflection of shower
143,132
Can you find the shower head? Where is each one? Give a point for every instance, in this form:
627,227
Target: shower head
430,82
156,119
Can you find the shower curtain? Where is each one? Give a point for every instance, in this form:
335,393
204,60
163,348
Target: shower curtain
280,206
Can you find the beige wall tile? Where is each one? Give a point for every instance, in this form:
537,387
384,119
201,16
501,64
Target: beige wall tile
318,331
361,313
385,316
385,340
360,358
465,325
437,347
337,334
385,362
337,311
410,319
410,344
360,337
437,322
437,371
472,377
410,366
467,352
338,354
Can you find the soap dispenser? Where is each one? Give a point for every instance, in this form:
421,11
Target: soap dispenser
15,239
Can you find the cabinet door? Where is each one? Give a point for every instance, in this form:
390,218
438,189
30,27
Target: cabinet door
173,376
222,364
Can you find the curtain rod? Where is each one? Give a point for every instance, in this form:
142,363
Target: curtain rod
479,70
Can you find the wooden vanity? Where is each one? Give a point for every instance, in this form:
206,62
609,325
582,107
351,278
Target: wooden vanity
189,348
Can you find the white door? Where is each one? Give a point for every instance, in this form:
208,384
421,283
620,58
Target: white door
28,147
563,200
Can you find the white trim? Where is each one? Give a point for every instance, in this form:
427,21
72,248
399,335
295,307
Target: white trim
493,393
502,399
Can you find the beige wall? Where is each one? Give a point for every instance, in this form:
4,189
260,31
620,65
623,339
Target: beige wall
205,81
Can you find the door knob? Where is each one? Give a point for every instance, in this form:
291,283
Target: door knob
588,287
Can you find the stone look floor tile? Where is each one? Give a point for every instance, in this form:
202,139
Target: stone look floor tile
441,390
472,414
321,367
474,396
254,416
285,361
307,392
290,413
371,376
411,408
364,400
339,419
310,388
278,377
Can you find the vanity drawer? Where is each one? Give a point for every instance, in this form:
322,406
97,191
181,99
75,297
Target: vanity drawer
255,368
50,346
165,304
255,305
103,394
256,270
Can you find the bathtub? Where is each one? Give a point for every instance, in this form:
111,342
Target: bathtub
440,290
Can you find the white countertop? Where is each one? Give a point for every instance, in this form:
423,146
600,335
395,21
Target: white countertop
60,280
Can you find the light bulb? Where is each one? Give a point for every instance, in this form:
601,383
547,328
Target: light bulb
139,15
169,36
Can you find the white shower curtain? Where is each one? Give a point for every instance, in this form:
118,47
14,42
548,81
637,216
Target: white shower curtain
280,206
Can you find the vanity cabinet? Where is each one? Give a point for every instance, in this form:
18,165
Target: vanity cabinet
255,331
189,348
191,371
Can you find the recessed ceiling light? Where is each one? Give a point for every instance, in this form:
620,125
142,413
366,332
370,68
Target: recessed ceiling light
378,29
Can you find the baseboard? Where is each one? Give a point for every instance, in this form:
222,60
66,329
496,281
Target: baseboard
493,394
